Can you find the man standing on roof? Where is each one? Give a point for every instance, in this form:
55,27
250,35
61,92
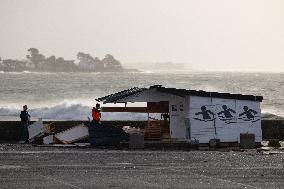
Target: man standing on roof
96,114
25,119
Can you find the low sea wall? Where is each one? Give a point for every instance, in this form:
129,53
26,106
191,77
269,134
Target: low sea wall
10,131
272,129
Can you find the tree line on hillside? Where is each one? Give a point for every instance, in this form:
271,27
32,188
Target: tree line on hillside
35,61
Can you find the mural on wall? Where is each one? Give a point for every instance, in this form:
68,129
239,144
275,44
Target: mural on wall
207,115
249,115
224,119
227,115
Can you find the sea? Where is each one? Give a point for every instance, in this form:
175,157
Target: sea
70,96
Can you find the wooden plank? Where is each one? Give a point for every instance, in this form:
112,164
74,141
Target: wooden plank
125,109
133,109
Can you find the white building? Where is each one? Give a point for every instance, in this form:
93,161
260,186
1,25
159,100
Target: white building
194,115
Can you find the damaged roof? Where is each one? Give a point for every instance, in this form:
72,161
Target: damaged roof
201,93
113,98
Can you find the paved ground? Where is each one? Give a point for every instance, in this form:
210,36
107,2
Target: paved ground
23,166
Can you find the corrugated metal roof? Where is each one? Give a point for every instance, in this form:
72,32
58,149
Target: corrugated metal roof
179,92
184,92
119,95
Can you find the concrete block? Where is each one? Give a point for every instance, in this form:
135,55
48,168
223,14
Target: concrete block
247,140
214,142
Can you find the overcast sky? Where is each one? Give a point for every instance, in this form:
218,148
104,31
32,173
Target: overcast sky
217,34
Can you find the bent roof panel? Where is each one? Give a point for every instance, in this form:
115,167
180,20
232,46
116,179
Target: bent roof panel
112,98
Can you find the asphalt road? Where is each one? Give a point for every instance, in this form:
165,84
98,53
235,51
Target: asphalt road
24,166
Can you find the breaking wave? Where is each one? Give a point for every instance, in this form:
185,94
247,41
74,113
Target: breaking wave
28,72
65,111
78,111
69,96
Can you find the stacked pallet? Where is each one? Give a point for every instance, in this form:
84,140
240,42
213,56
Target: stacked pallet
165,131
157,130
153,130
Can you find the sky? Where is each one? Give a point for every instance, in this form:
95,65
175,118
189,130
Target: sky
206,34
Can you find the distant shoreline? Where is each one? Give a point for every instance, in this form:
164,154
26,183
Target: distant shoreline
80,71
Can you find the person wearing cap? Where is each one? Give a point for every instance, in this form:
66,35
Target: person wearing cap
96,114
25,119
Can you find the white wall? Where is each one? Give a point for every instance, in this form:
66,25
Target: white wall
177,119
250,125
227,123
201,129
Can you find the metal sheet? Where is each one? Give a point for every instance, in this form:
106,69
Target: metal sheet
48,139
35,130
74,134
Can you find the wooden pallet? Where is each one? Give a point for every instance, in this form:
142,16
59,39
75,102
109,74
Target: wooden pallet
157,130
153,134
153,131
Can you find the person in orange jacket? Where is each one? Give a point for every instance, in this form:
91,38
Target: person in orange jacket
96,114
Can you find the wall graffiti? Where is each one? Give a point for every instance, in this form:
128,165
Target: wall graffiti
224,119
226,115
249,115
207,115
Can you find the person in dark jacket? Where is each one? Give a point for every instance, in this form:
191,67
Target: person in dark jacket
25,119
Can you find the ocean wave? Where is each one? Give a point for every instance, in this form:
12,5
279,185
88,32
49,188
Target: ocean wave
67,111
77,111
27,72
146,72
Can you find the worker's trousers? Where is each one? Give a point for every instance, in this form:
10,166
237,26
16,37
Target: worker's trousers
25,132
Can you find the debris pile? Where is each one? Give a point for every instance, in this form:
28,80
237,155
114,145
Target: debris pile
106,134
96,134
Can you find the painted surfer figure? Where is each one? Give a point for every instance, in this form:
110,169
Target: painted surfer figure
248,115
226,115
227,112
207,115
